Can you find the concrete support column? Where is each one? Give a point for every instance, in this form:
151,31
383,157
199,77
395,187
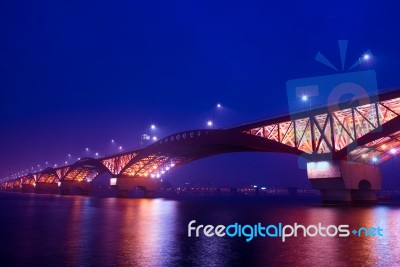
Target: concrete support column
345,182
27,188
75,187
42,188
147,184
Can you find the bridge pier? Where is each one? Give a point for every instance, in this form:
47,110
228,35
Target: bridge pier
147,185
345,182
74,187
27,188
46,188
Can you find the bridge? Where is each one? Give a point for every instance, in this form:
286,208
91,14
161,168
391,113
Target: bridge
344,144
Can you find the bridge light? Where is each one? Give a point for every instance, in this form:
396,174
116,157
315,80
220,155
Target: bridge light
210,123
113,181
374,159
154,138
366,57
393,151
304,98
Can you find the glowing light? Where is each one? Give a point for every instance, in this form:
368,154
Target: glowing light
69,155
152,126
366,56
172,165
87,149
113,181
210,123
374,159
364,156
154,138
120,148
219,105
152,175
393,151
97,154
167,168
383,146
158,175
304,98
112,141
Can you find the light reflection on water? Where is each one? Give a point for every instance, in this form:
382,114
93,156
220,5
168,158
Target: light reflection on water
84,231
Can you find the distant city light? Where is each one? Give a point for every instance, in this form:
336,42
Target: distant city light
366,56
112,141
152,126
87,149
97,154
364,156
393,151
304,98
219,105
120,148
374,159
154,138
210,123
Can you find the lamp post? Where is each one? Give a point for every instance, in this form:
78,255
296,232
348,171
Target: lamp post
305,98
211,123
147,136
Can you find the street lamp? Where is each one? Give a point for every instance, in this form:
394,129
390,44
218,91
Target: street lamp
305,98
147,136
211,123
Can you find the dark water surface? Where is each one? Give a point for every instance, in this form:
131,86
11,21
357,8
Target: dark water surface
52,230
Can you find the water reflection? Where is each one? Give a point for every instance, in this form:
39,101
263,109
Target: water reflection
85,231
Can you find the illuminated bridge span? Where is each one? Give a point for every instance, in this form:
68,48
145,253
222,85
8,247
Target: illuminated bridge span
343,143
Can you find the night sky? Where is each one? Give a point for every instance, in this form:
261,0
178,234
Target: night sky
76,74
